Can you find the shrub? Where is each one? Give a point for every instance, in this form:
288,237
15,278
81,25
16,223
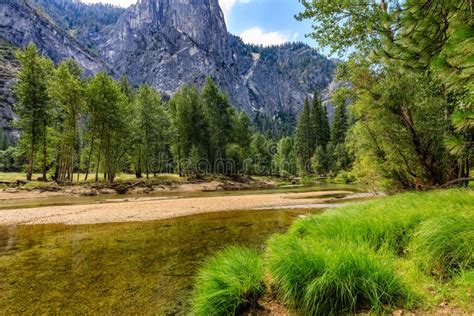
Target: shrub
230,282
444,246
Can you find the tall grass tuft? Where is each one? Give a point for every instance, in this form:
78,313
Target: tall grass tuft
328,278
357,258
396,252
355,279
444,246
228,283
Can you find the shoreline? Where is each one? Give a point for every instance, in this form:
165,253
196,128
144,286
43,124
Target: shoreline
152,210
125,188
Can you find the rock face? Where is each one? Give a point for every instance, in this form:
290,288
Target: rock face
8,69
169,43
21,23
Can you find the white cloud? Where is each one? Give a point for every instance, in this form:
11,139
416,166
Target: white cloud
257,36
227,5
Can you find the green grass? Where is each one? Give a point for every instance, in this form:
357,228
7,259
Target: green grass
413,250
230,282
328,278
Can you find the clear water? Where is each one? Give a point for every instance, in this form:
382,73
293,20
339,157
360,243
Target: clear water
125,268
110,198
130,268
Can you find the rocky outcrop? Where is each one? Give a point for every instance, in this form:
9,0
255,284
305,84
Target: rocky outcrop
169,43
21,23
8,69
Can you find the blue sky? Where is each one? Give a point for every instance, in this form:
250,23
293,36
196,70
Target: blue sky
265,22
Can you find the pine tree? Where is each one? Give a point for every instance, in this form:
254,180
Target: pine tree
190,124
217,111
317,122
340,123
304,139
326,129
32,106
242,130
150,129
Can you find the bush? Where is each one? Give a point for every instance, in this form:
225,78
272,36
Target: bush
444,246
228,283
344,177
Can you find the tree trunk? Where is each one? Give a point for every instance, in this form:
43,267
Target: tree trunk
98,164
89,158
45,154
29,173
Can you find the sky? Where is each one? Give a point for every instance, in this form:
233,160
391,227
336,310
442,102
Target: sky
265,22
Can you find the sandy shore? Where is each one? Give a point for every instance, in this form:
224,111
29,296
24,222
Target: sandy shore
90,190
149,210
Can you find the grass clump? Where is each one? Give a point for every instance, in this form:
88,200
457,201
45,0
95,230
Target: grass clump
327,278
414,248
444,246
230,282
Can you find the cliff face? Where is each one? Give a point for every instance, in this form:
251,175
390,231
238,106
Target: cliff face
168,43
21,23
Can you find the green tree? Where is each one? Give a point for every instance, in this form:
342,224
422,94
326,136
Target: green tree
234,159
190,124
285,159
33,105
150,130
261,153
67,95
419,36
242,130
319,122
319,162
304,139
110,123
400,127
217,111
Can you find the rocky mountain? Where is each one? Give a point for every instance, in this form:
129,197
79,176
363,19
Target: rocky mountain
166,43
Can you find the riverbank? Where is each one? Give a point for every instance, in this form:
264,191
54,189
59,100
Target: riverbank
140,209
126,185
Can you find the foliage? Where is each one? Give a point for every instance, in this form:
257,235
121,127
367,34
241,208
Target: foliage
33,104
304,139
229,283
66,92
415,44
109,117
400,124
362,257
150,130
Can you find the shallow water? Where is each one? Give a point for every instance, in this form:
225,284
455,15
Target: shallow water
110,198
130,268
